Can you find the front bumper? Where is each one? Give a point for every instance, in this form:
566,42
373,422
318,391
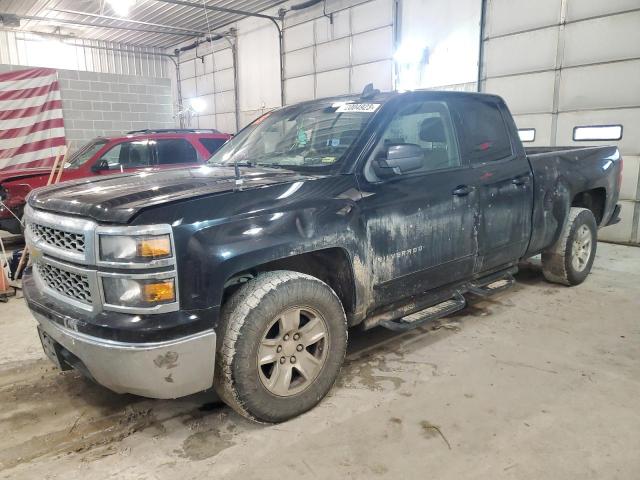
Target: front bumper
167,369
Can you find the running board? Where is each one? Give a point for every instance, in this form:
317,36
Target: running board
439,310
484,290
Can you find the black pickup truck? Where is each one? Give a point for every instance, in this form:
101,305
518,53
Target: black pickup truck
244,274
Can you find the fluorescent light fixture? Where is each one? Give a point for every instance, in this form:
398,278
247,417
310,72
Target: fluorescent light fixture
527,134
121,7
198,104
597,132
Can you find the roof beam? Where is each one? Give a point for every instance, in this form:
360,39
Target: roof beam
214,8
129,20
93,25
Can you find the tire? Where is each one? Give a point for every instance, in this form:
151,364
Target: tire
570,259
257,320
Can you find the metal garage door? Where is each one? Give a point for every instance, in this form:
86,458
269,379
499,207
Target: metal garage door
562,64
339,52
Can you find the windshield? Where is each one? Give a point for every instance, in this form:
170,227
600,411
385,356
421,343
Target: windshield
306,135
84,154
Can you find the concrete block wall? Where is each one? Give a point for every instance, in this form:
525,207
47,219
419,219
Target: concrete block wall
107,104
104,104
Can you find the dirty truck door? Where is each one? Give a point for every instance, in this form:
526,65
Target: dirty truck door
419,216
502,177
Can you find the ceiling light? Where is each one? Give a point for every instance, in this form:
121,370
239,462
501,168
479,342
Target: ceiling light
121,7
198,104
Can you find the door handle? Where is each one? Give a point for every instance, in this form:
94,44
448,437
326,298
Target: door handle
462,191
522,180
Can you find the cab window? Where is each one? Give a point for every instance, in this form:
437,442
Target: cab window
428,125
175,150
483,131
124,155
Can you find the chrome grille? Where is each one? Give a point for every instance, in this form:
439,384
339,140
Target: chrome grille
71,284
73,242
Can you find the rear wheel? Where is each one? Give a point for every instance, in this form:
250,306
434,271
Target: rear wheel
569,261
282,340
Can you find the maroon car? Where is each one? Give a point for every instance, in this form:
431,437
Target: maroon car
135,151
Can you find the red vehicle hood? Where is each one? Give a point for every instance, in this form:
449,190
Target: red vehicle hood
16,174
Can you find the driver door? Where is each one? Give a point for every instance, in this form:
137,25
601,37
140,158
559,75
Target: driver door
419,223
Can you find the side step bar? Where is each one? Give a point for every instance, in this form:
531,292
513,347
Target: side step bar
439,310
494,286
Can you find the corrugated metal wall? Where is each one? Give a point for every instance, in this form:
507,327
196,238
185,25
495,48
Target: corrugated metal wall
566,63
27,49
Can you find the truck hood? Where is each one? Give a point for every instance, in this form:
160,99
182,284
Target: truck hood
16,174
118,198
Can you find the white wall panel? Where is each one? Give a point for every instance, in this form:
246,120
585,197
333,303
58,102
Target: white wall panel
523,52
223,59
299,62
332,55
187,69
449,30
601,86
508,16
623,231
207,121
531,93
602,39
577,9
630,173
334,82
373,45
299,89
226,122
224,102
368,16
341,24
224,80
204,84
628,117
189,88
299,36
209,104
204,64
542,125
378,73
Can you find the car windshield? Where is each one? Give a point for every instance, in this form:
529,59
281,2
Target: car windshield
84,153
314,134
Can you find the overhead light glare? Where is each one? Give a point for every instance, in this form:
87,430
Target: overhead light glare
121,7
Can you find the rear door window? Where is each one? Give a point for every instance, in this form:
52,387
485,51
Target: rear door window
212,144
483,132
175,150
133,154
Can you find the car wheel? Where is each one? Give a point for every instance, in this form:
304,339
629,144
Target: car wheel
281,342
569,261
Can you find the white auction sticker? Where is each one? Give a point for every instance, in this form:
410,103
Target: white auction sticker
358,107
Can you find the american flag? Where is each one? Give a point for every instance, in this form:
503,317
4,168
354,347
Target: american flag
31,124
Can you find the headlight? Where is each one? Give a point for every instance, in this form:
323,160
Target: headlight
134,248
143,293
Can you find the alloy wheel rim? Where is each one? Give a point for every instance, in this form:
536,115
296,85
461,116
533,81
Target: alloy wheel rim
292,351
581,250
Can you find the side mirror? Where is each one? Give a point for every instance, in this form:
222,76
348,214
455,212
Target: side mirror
399,159
100,166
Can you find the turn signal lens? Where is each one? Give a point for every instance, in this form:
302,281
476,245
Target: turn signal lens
154,247
163,291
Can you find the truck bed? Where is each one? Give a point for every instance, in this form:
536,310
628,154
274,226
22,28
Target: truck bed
571,176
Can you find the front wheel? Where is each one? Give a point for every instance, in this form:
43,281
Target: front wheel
570,259
282,339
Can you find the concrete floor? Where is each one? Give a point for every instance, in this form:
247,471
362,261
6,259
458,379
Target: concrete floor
542,381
